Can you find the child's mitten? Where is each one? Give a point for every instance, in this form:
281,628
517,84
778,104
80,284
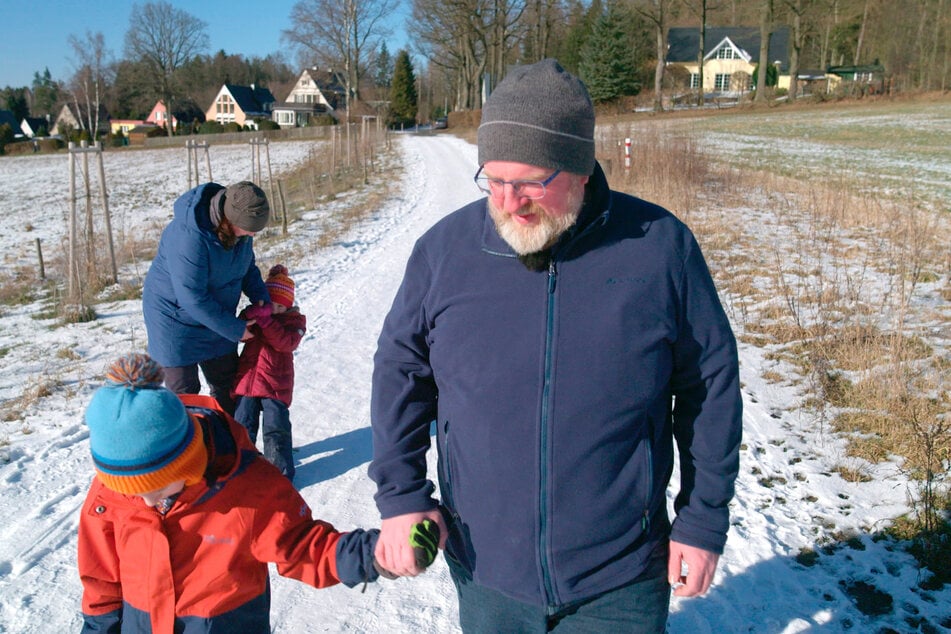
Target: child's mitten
424,538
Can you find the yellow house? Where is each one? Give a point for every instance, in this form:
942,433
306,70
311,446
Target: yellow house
731,54
124,125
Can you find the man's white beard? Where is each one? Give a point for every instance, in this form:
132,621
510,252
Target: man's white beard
526,239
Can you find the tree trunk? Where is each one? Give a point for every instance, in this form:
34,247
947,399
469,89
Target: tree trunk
765,31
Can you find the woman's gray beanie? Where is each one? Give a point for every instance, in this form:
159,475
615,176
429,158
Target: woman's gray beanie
540,114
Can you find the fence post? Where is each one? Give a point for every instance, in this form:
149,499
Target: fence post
108,219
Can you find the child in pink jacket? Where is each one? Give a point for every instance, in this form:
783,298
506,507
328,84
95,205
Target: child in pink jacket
265,379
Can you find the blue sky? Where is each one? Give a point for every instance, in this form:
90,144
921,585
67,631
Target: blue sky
36,34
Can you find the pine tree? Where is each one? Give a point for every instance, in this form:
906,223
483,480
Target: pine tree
45,93
384,68
403,98
607,62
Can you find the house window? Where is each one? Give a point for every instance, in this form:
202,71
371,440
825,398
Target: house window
725,52
694,80
721,82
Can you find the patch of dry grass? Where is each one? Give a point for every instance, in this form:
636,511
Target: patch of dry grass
837,281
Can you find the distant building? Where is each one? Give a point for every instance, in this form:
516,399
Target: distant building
315,93
730,56
6,117
159,115
240,104
69,118
124,125
35,126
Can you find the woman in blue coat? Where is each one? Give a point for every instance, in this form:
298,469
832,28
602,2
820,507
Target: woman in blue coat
205,261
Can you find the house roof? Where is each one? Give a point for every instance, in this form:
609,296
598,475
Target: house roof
683,42
251,99
35,123
6,116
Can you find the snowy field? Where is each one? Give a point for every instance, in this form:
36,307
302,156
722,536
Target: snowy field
788,497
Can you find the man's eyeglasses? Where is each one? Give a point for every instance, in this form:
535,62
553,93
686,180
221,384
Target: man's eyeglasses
524,188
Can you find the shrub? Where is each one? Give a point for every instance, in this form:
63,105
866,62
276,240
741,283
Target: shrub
6,136
233,127
322,120
267,124
211,127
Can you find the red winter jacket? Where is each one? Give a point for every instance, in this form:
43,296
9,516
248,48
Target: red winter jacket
202,567
266,366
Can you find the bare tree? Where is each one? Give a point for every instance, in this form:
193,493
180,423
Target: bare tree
701,8
542,16
90,80
765,32
797,10
658,13
506,32
164,39
338,34
451,34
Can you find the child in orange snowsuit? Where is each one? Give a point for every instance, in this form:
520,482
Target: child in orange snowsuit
184,515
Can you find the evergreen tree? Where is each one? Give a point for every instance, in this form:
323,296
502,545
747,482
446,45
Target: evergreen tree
403,98
581,21
14,99
607,64
45,93
384,68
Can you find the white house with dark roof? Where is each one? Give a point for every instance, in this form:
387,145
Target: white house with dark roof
315,93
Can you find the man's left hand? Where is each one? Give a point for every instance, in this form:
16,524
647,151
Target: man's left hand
700,564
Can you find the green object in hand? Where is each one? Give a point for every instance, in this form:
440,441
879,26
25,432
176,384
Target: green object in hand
424,538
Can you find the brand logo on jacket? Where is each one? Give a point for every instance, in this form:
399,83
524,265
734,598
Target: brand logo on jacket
214,539
625,280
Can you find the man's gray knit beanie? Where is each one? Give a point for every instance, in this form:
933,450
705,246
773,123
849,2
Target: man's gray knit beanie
540,114
246,206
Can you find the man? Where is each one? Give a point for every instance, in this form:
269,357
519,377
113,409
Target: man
205,261
560,335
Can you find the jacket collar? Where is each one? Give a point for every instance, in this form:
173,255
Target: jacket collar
594,210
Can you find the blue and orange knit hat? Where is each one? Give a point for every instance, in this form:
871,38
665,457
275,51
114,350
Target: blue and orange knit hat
142,438
279,286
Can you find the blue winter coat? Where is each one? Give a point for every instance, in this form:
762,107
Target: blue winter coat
556,396
192,289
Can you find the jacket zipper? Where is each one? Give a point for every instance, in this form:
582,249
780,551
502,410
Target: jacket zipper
543,545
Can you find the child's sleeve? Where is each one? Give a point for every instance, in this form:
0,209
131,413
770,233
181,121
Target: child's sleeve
98,562
355,557
284,335
285,532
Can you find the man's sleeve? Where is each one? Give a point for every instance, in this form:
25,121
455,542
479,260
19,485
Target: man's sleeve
403,400
708,409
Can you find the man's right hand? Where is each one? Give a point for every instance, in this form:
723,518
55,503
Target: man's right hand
394,551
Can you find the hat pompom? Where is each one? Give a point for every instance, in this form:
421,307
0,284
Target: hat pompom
135,371
277,269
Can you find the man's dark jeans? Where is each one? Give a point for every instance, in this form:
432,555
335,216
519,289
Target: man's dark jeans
639,607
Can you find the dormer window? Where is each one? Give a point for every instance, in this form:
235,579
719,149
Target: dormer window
726,52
